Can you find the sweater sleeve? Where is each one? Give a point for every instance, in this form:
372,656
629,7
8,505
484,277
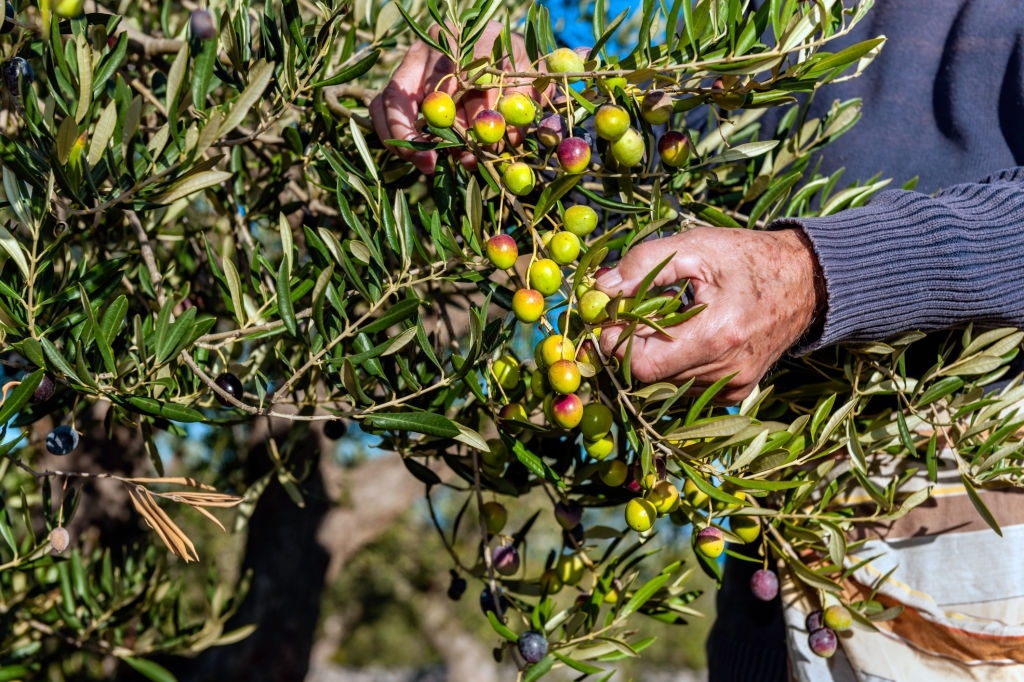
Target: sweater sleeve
910,261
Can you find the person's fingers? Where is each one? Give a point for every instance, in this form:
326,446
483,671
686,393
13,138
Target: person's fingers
396,110
657,356
472,103
678,359
683,263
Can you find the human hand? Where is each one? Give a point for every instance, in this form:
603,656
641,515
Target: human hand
395,111
761,290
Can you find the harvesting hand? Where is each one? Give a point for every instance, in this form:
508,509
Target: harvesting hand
760,293
396,110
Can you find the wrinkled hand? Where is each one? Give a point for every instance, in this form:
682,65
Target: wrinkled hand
761,296
395,111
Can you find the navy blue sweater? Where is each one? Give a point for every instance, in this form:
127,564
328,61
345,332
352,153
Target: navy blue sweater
943,102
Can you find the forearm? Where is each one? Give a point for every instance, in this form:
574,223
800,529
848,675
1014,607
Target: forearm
911,261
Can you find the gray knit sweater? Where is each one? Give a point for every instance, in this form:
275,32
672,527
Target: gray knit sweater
944,102
913,261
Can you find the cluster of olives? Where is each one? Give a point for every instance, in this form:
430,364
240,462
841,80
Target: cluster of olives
552,266
569,146
824,627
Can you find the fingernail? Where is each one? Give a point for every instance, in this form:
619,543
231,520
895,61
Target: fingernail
609,281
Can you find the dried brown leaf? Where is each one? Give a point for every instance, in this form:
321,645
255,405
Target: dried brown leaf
210,516
161,523
202,499
171,480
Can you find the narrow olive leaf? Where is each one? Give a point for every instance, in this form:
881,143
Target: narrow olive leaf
102,132
535,464
178,334
905,437
810,578
499,627
364,151
422,473
820,413
57,360
67,134
284,229
610,204
285,306
19,397
1006,345
643,595
711,491
193,183
762,484
213,519
844,58
157,408
474,204
202,72
6,529
208,133
423,35
582,667
983,340
353,70
201,499
648,279
837,418
714,427
836,543
84,56
601,649
82,368
552,192
776,192
853,447
914,499
259,78
699,404
539,669
158,338
170,480
12,248
749,66
153,671
399,312
710,214
741,152
671,400
175,79
235,291
399,341
99,338
982,510
16,197
619,649
417,422
751,452
658,391
978,364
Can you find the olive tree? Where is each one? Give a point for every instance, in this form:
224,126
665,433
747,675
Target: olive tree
204,239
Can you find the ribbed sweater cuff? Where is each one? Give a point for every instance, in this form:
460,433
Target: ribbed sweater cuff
909,261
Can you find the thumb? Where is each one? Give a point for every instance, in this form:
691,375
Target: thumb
643,258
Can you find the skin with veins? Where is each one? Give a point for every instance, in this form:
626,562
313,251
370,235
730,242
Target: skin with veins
760,292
